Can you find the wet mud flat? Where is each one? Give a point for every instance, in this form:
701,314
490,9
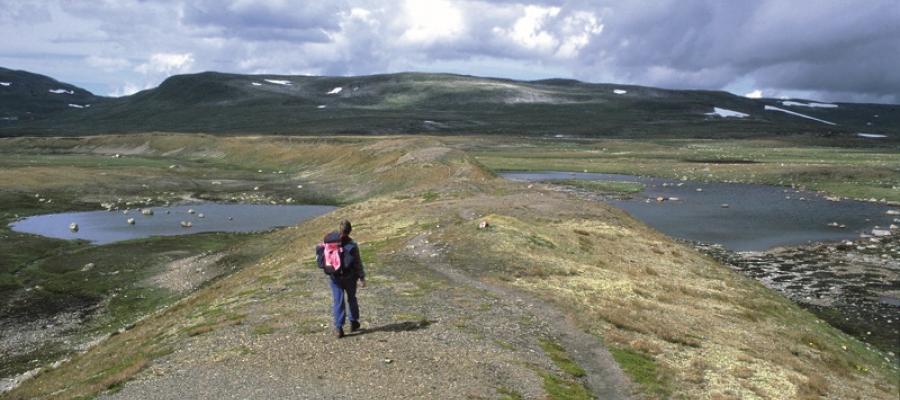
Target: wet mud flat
852,285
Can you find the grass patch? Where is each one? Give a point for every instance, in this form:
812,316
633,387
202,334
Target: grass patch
509,394
558,388
602,186
643,370
263,329
561,358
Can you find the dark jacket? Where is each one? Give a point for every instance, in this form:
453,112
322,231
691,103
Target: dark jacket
351,262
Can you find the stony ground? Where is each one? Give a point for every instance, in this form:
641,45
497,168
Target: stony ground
437,333
854,286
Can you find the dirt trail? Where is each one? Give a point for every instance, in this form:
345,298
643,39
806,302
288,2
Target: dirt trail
429,331
604,377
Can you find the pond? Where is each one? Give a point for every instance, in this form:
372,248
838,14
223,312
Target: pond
741,217
103,227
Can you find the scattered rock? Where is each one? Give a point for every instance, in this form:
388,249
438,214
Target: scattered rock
147,211
699,189
892,212
87,267
725,205
881,232
483,225
130,221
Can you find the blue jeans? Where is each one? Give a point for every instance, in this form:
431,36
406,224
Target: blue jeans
338,289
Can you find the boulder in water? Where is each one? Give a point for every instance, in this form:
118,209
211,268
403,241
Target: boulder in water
147,211
130,221
73,227
186,224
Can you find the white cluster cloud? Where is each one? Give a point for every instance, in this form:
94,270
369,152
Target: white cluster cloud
823,50
755,94
166,63
153,70
430,21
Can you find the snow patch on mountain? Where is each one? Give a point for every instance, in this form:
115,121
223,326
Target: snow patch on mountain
336,90
810,104
620,91
61,91
773,108
279,82
725,113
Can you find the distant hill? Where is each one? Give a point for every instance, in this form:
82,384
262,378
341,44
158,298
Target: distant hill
215,102
25,97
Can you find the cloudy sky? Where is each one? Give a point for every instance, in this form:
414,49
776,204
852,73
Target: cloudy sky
819,49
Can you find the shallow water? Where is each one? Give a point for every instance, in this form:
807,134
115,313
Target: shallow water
758,217
102,227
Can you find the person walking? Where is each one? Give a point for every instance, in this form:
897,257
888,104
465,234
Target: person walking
338,256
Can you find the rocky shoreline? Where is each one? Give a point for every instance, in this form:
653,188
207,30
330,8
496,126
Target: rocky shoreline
852,285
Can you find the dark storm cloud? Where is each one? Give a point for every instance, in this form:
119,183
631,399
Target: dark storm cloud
823,46
832,50
293,21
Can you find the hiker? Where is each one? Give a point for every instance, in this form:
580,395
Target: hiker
338,256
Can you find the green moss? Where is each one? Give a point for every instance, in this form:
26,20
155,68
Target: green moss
564,389
430,196
561,358
642,369
263,329
509,394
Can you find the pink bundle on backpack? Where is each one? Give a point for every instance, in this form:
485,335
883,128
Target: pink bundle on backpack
333,255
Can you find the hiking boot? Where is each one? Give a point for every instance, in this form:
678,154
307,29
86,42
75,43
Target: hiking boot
354,326
339,333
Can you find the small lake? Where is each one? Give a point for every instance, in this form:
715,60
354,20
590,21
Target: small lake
102,227
758,217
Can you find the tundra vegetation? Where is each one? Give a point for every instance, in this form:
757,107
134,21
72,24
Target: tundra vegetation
678,323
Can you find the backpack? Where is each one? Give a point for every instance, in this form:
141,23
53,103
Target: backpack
329,254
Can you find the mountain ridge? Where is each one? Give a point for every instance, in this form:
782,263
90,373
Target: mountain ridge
418,102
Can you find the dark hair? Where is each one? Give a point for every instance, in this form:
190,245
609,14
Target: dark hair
345,228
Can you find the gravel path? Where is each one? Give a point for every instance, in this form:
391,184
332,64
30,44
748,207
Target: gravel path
428,332
604,377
